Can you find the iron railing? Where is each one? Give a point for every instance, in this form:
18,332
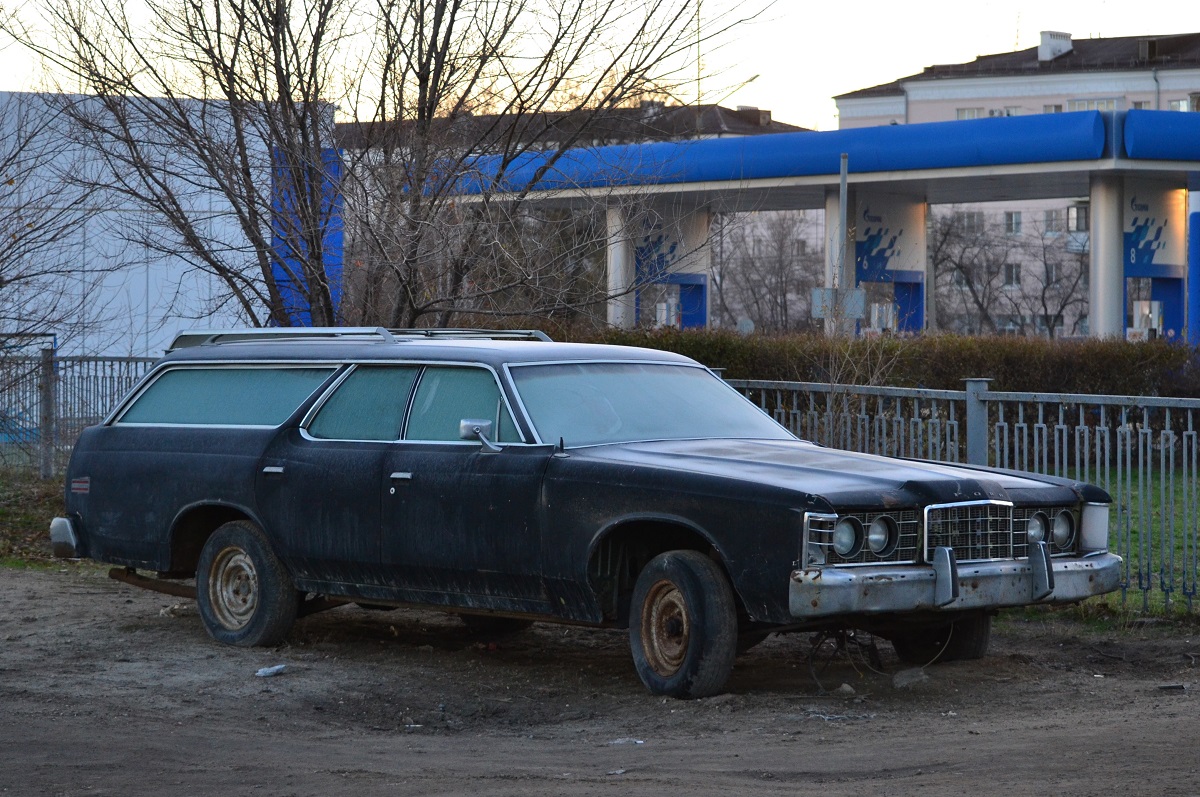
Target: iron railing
1144,451
46,401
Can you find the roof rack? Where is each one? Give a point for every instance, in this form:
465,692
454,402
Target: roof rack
199,337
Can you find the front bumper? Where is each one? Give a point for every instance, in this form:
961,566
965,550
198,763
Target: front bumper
949,586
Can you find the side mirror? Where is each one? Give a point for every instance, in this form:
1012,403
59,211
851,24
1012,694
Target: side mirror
477,429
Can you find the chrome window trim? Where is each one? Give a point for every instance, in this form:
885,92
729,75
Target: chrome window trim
611,361
421,366
157,372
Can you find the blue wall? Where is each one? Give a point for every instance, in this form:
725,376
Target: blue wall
289,253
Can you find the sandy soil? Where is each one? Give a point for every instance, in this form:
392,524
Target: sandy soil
106,689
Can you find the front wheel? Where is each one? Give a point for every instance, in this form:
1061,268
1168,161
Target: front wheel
244,593
683,625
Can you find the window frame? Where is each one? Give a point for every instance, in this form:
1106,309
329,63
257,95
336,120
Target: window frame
1012,276
1012,222
520,421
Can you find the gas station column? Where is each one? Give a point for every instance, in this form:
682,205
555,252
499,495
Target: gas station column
839,274
1106,312
621,271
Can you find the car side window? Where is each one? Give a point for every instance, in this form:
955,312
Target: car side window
225,396
447,395
368,405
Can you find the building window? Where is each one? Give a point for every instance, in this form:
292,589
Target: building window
1012,222
968,113
1141,105
1053,222
1012,275
1077,218
1092,105
1177,105
969,222
1052,273
1056,108
1013,110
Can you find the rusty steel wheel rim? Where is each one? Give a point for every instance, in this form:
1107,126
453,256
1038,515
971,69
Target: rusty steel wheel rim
666,628
233,588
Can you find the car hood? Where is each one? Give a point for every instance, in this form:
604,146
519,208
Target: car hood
842,478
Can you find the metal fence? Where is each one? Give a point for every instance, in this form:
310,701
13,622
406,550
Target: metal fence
1144,451
46,401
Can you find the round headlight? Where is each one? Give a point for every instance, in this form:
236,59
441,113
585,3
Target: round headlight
1036,528
882,536
1063,533
847,537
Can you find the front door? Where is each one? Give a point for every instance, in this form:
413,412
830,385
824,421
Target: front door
461,523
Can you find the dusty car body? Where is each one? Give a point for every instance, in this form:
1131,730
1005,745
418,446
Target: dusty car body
512,480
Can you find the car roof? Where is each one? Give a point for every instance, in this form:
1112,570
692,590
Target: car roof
342,349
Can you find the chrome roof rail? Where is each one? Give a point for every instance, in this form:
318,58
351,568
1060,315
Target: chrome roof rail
476,334
199,337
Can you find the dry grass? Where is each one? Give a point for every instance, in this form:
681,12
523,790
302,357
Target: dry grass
27,503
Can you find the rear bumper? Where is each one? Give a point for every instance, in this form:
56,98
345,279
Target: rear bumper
948,586
64,540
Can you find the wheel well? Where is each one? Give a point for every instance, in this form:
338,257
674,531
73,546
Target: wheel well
619,558
192,530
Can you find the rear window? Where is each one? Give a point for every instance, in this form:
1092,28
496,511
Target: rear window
225,396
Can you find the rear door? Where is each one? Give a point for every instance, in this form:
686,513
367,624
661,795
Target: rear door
321,485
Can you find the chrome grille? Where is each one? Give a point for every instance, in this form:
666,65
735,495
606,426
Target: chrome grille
975,530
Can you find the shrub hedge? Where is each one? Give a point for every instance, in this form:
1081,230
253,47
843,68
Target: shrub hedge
1153,368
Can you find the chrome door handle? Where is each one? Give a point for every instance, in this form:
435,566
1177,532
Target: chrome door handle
401,476
273,470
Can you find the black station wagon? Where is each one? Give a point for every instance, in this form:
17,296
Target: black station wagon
510,479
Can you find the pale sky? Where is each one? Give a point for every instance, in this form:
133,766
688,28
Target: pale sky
806,52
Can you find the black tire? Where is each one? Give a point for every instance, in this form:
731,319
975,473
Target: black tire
683,625
491,625
963,639
244,593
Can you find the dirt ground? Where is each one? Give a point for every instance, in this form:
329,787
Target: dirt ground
106,689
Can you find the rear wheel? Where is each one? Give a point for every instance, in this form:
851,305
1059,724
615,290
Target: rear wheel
244,593
965,638
683,625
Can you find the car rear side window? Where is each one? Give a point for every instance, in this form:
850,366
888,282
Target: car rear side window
446,396
225,396
368,405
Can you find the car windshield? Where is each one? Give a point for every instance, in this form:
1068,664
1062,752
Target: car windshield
595,403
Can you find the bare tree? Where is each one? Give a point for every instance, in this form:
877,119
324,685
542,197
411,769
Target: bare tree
991,278
42,281
769,262
976,268
218,116
1056,289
